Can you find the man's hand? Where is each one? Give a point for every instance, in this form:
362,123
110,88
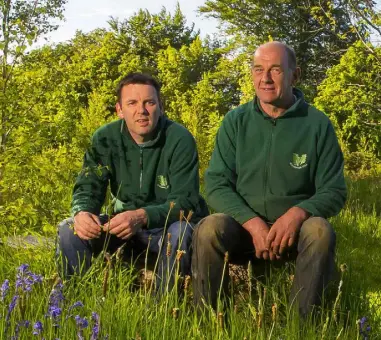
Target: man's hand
285,230
126,224
258,230
87,225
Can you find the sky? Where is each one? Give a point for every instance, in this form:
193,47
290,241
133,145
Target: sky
86,15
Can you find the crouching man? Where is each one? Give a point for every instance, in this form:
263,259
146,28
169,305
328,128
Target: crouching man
151,166
275,176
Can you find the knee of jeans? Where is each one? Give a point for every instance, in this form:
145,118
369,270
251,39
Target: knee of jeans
66,235
180,232
319,234
210,229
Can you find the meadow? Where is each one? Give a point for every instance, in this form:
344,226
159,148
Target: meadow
115,301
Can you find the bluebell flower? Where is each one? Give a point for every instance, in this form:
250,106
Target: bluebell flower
38,328
364,328
96,326
55,300
20,324
26,279
75,305
4,290
23,268
82,323
11,307
54,312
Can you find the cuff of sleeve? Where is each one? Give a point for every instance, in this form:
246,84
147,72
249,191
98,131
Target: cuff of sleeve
153,217
78,208
305,205
244,217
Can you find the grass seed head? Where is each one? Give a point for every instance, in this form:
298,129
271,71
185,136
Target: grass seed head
343,267
190,214
187,282
175,313
221,320
274,310
181,215
169,246
179,254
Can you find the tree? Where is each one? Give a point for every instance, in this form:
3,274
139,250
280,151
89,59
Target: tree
22,23
319,31
147,33
350,95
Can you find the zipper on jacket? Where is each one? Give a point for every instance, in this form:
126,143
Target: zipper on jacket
267,165
141,168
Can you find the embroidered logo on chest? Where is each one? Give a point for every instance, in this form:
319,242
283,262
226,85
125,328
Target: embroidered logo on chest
162,182
298,161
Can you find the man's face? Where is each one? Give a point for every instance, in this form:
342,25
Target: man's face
140,108
273,79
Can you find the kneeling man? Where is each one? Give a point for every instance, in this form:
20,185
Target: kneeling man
151,166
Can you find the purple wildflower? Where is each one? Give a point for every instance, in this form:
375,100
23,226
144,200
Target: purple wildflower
4,290
55,300
82,323
20,324
11,307
26,279
38,328
75,305
364,328
96,326
23,268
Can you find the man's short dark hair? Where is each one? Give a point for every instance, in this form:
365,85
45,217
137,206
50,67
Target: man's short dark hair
137,78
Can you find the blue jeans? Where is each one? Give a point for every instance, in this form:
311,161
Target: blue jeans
77,253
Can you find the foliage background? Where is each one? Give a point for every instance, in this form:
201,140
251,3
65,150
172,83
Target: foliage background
53,98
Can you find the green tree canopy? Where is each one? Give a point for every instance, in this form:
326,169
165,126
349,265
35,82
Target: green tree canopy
22,22
319,31
350,95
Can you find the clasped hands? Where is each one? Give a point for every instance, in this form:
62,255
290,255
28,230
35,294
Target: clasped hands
123,225
271,243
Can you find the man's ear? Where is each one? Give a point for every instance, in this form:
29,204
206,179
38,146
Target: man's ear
296,76
118,109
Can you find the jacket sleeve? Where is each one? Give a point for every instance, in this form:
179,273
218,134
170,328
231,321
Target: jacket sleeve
91,184
221,176
184,185
330,189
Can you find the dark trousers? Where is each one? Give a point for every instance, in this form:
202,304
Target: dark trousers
76,254
217,234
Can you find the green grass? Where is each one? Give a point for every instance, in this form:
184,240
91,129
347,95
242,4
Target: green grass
128,311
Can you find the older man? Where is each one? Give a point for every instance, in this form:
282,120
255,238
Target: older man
151,166
275,176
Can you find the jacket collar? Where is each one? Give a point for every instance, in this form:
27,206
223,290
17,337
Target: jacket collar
295,110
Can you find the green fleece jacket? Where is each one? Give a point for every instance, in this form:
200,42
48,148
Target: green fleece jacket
263,166
151,176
